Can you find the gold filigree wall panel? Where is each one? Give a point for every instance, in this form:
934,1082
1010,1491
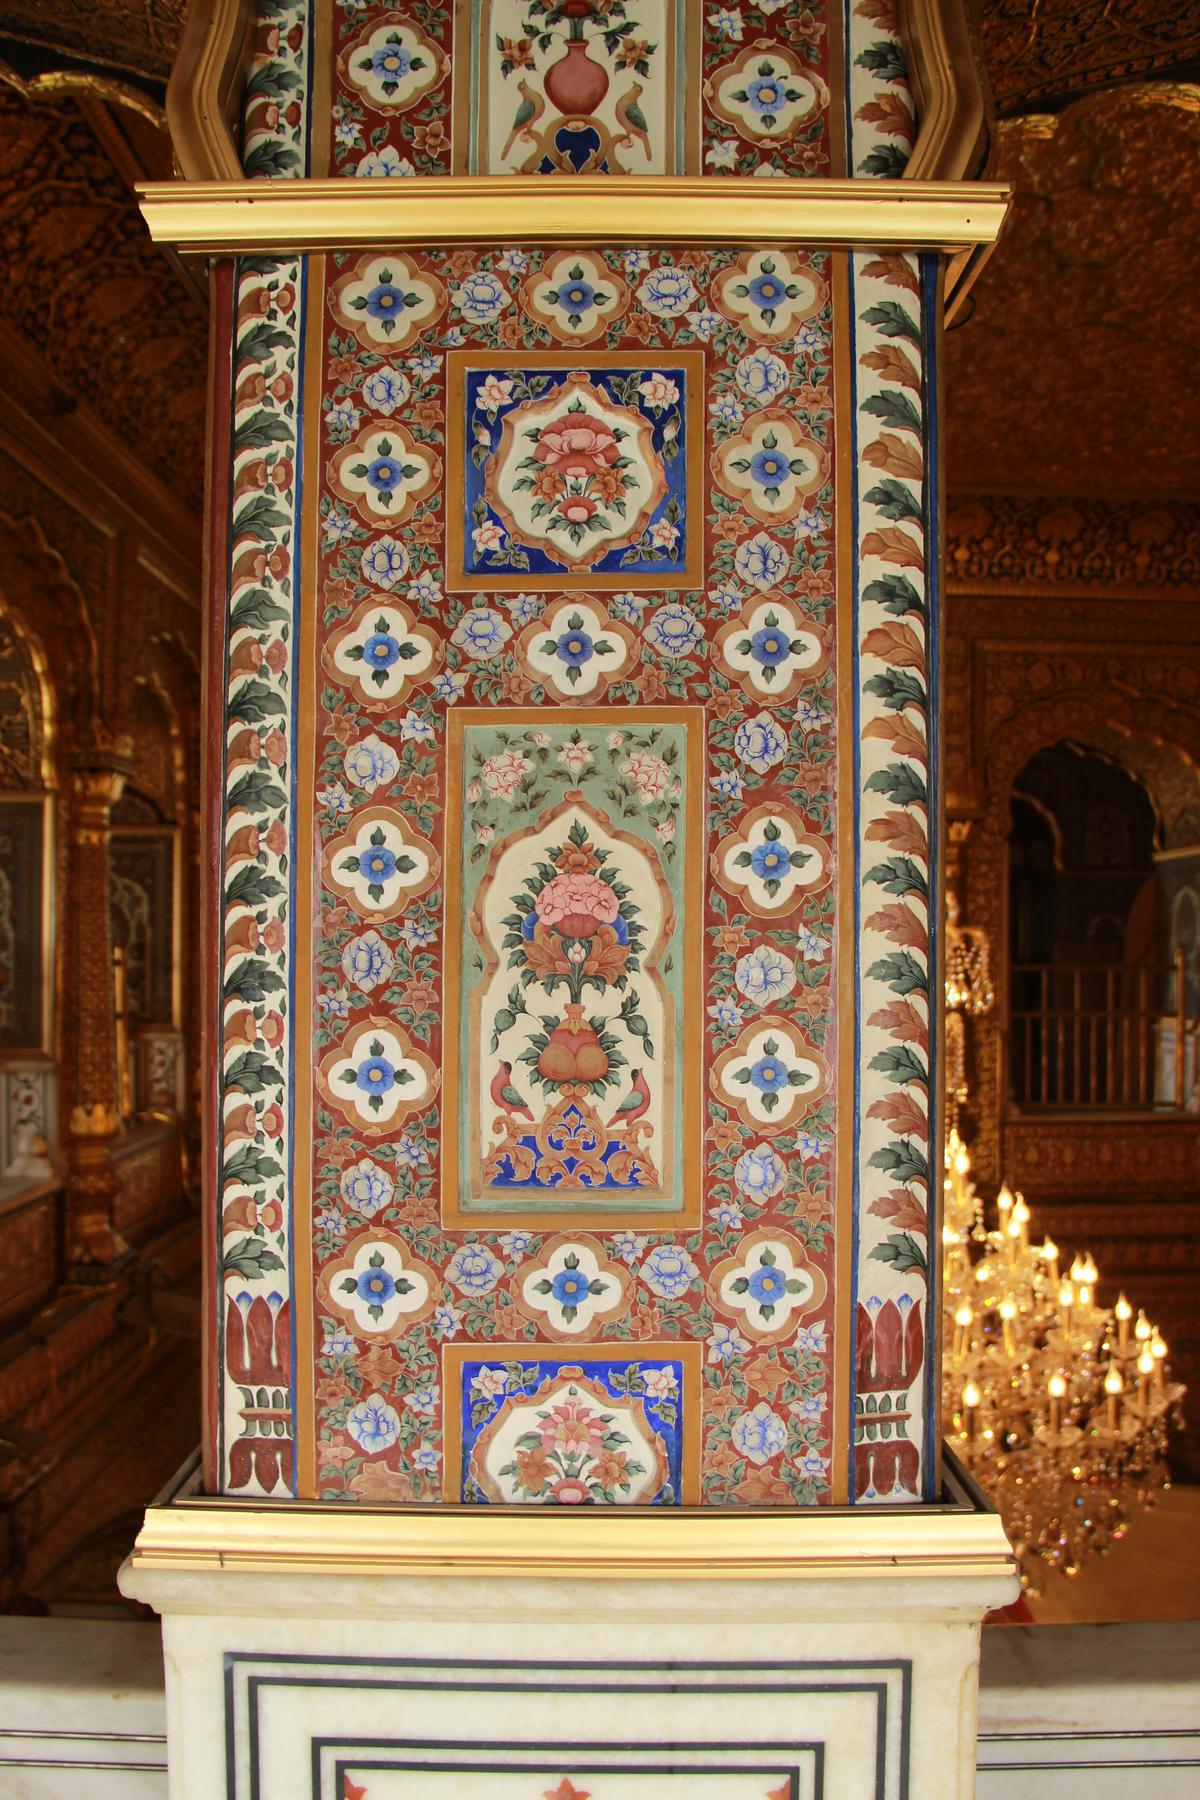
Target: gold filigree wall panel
140,36
1075,373
1041,52
86,288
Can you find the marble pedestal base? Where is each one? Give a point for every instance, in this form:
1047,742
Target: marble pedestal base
621,1655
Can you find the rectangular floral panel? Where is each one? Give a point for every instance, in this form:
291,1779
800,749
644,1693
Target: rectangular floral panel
385,1771
577,471
574,863
593,89
590,1425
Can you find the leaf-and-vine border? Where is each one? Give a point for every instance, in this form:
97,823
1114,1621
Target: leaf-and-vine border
881,122
896,749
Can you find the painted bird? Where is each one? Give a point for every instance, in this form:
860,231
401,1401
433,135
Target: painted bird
636,1101
527,115
631,116
506,1095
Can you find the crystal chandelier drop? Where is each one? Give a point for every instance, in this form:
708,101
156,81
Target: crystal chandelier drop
1058,1407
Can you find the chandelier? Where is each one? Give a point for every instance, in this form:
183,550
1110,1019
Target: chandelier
1058,1407
969,993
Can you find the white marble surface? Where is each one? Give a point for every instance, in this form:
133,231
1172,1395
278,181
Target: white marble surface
1065,1713
82,1711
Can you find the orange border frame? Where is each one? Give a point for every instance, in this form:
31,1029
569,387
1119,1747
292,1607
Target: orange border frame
567,358
689,1353
689,1212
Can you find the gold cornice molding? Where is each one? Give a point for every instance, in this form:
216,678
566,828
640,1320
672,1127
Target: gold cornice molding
204,94
944,67
284,217
962,1539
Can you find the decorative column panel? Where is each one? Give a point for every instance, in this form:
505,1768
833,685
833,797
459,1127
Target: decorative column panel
93,1243
580,766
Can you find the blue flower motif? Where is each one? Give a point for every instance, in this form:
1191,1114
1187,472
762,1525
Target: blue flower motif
769,1075
726,410
727,23
378,864
338,525
391,62
760,743
726,599
449,685
385,389
668,1271
766,93
811,1339
667,292
375,1286
337,1343
674,629
725,1345
767,1286
385,301
628,1246
425,1456
334,1005
367,961
760,1434
481,297
335,797
809,716
809,339
375,1075
812,1465
384,563
770,862
481,633
759,1173
347,134
762,375
424,591
446,1320
330,1221
373,1424
574,648
426,365
812,948
728,784
760,561
421,1401
728,1216
768,469
726,1014
524,608
367,1188
517,1244
810,1145
342,417
764,975
409,1151
514,262
474,1269
635,262
417,933
810,523
372,763
416,730
569,1287
704,323
386,164
573,297
628,607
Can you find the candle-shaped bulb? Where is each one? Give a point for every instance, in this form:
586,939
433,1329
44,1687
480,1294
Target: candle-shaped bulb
971,1394
1158,1347
1113,1388
1143,1331
1049,1255
1008,1312
1004,1200
1145,1362
1158,1350
952,1142
1091,1273
1145,1369
964,1316
1079,1269
1083,1294
1124,1313
1057,1389
1066,1295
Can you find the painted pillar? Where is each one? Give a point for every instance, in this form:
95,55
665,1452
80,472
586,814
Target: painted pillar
574,773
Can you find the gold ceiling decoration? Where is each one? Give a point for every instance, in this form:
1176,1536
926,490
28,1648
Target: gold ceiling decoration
1042,52
140,36
1074,373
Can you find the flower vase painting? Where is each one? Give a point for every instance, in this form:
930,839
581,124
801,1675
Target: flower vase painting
574,1000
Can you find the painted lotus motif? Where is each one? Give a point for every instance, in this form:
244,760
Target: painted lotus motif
377,1286
380,864
381,652
393,66
770,1076
768,1285
384,473
575,296
572,1288
772,466
771,649
375,1077
575,649
386,302
768,293
766,93
771,860
574,475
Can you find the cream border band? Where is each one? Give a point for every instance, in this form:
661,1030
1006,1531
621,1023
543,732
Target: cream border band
224,217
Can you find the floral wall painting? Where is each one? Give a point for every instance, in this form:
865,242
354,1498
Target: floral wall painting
576,980
592,1427
576,474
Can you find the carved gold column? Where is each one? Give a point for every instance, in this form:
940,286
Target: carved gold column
93,1243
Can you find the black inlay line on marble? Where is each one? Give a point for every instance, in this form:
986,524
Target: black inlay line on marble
564,1766
900,1665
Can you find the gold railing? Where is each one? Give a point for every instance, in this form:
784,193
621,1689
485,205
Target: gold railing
1089,1035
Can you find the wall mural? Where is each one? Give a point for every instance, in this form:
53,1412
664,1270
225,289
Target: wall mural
548,1172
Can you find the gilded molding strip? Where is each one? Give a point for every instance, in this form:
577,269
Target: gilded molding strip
257,217
593,1543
